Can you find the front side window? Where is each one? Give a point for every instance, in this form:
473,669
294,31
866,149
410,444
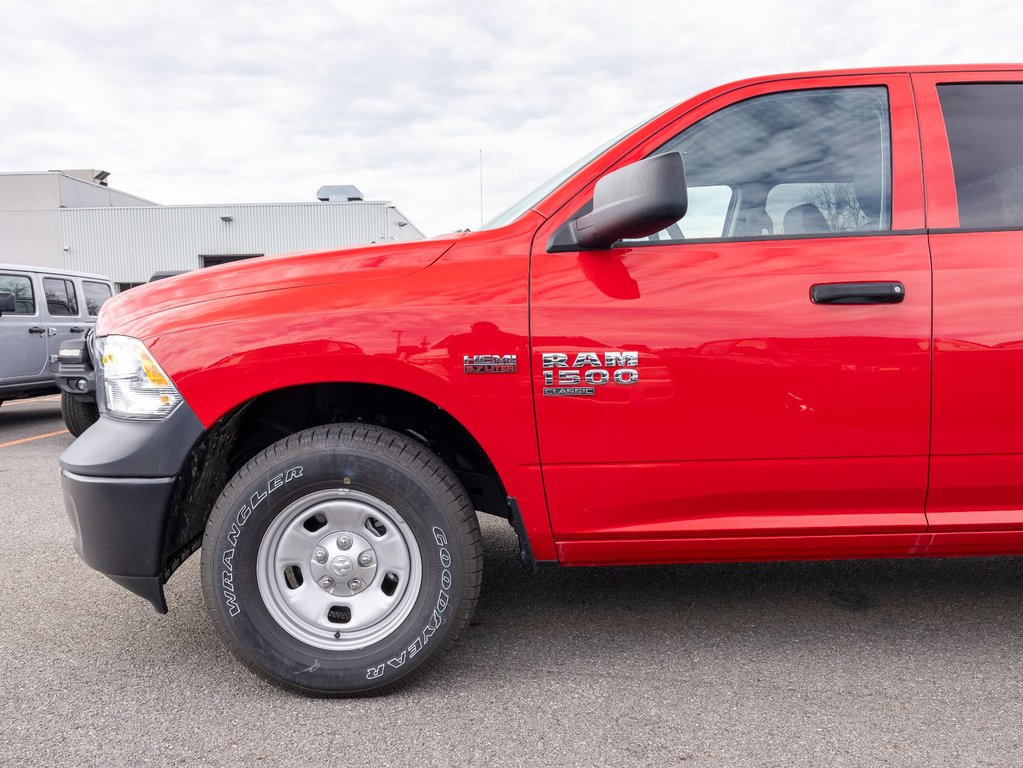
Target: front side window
24,296
706,216
96,295
814,162
60,296
983,124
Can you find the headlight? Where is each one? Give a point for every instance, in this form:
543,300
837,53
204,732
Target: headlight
134,385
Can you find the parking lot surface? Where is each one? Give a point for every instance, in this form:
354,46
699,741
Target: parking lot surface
902,663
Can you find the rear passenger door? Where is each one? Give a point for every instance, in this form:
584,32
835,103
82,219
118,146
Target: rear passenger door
22,332
971,127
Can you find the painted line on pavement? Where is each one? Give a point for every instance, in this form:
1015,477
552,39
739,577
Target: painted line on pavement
32,400
30,439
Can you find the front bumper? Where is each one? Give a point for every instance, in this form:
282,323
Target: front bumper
118,523
118,479
78,378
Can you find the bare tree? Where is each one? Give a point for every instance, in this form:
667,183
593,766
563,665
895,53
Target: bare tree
22,290
838,204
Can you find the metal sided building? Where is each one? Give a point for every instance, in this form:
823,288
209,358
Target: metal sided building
72,220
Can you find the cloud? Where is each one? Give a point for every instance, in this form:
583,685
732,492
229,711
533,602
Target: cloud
196,102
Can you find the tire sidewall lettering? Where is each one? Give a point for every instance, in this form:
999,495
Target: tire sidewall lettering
273,483
435,620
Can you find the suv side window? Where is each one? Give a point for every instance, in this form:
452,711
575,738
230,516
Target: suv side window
983,121
24,296
813,162
96,295
61,298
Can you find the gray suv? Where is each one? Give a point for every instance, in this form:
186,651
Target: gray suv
40,309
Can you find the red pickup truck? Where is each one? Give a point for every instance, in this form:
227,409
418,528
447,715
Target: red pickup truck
782,320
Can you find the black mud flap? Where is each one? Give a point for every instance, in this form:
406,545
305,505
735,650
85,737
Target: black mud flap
149,587
526,558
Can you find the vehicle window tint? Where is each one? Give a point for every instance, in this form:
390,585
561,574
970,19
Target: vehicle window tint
96,295
983,123
24,296
60,296
797,163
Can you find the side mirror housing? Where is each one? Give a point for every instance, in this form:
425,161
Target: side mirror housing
634,201
7,303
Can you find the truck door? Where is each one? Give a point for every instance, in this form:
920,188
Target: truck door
22,332
973,160
762,367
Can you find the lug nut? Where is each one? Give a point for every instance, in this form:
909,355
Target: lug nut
355,585
327,583
366,558
320,556
344,542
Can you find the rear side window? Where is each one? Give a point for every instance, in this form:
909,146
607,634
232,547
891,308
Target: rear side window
96,295
815,162
60,296
24,296
983,122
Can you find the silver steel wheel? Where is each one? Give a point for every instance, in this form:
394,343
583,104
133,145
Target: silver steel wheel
339,569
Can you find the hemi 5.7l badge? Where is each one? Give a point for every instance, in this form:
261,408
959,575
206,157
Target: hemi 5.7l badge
489,363
586,371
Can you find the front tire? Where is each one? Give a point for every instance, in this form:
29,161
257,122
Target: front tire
78,414
343,560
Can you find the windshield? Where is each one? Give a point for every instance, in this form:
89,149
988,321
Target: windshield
538,194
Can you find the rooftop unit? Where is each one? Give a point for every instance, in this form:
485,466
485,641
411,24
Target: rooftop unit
339,193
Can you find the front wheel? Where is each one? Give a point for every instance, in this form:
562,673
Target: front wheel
78,414
343,560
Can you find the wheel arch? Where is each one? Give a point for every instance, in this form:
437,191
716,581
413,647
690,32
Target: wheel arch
261,421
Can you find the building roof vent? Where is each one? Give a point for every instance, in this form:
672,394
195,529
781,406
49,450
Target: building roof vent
89,174
338,193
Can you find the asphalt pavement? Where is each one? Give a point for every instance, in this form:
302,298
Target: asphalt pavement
867,663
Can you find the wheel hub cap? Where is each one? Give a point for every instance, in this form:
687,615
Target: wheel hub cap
344,566
339,569
341,566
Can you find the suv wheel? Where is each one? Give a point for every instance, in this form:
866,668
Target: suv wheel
78,414
343,560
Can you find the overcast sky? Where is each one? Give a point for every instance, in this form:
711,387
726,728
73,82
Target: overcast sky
213,102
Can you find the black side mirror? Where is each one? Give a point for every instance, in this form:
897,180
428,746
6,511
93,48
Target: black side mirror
7,302
634,201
